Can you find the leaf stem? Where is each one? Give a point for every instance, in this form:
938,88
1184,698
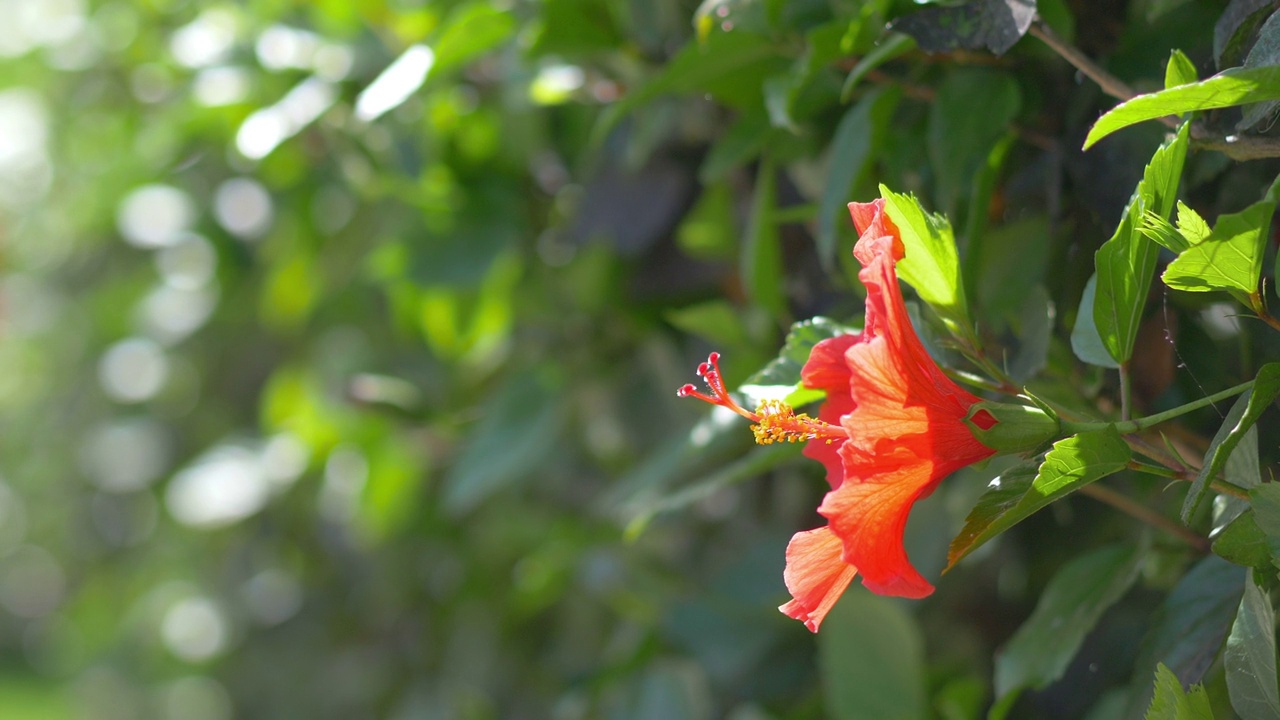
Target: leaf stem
1260,309
1133,426
1126,393
1221,487
1141,512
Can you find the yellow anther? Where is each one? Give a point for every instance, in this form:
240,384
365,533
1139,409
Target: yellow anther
779,423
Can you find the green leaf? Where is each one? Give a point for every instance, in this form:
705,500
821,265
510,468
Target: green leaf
959,139
1188,629
857,135
740,144
728,65
1243,414
1179,71
1071,464
1243,543
1265,52
895,45
871,655
1071,604
1230,258
1266,512
715,320
1250,656
1236,27
471,30
1191,225
1126,262
784,370
519,430
761,264
1086,343
931,263
1171,702
1236,86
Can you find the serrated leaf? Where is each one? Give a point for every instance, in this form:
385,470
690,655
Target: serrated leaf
931,263
1171,702
1230,258
1071,604
1242,542
1191,225
1179,71
1237,86
1250,656
857,134
1243,414
1187,631
895,45
993,24
1085,341
1020,491
1162,232
1127,262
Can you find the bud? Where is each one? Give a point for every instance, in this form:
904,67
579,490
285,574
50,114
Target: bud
1009,429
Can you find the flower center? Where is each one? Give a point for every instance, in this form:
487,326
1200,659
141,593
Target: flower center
773,420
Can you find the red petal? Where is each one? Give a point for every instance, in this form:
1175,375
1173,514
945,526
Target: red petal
837,405
815,575
826,368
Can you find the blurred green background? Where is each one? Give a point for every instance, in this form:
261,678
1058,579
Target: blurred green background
340,342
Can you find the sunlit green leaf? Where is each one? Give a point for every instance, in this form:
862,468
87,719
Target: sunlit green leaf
1022,490
931,263
1230,258
1126,262
1171,702
1236,86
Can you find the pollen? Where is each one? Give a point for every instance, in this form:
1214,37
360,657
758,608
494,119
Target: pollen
779,423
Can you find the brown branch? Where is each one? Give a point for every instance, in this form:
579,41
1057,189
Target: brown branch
1137,510
1236,147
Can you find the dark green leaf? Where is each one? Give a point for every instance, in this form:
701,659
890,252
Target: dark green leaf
740,144
960,139
1243,414
1266,512
872,660
1187,631
1126,262
1035,328
895,45
1265,52
993,24
1237,86
1236,27
1017,493
1071,604
520,427
1243,543
1250,657
1171,702
571,27
471,30
762,249
856,137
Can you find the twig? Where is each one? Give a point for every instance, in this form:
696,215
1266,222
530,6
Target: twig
1137,510
1236,147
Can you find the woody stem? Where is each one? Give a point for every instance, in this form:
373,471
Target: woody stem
1137,510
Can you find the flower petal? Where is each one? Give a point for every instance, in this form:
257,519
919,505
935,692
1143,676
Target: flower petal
826,368
815,576
825,451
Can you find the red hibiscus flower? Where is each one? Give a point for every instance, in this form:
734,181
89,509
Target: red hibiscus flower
891,428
